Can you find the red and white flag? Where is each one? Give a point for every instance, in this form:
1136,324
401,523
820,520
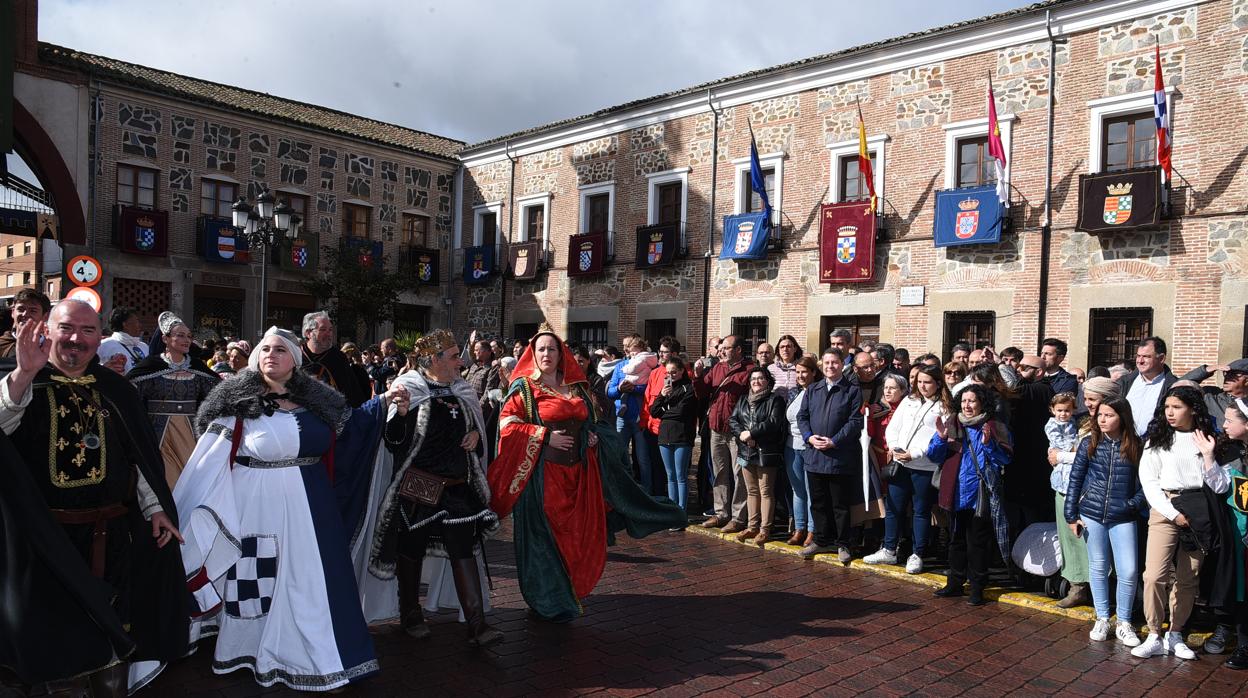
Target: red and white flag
996,149
1161,116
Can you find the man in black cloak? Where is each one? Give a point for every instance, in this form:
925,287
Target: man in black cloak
91,459
325,362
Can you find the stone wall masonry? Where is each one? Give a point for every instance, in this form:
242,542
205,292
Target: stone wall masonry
652,161
542,182
597,148
182,127
774,139
222,135
1243,54
702,125
1022,94
595,172
1228,245
920,79
541,161
138,117
840,127
1016,60
1167,28
1135,73
1239,14
843,95
646,137
770,111
923,110
257,143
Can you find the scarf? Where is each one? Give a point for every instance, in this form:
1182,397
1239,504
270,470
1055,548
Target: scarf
756,398
972,421
606,368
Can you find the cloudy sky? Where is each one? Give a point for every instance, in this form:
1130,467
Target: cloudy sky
476,69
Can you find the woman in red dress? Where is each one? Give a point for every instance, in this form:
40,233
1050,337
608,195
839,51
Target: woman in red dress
563,478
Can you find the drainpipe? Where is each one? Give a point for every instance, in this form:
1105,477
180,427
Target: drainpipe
710,230
93,171
1046,229
511,204
457,241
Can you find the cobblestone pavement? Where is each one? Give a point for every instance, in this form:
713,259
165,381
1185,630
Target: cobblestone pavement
679,614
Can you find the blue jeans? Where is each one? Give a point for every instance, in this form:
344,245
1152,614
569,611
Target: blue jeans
1120,538
909,486
633,433
803,520
676,459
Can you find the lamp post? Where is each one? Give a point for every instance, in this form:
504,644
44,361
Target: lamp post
264,226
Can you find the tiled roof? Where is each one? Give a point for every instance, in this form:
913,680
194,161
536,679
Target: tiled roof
237,98
1046,4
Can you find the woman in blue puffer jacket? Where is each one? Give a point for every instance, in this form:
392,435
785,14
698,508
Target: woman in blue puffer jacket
1103,505
971,490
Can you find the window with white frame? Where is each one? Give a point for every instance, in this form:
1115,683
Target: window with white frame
966,161
668,198
597,211
487,224
746,200
839,189
534,218
1120,134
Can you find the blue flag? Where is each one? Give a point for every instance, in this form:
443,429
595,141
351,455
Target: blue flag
745,236
757,182
478,264
968,216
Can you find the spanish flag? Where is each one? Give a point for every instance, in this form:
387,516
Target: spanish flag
864,160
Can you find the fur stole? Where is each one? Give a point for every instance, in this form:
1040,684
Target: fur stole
239,396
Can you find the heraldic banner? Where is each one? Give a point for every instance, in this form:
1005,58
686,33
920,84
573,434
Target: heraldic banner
367,252
745,236
968,216
300,254
425,263
478,263
220,241
140,231
522,258
586,253
656,244
1119,200
846,243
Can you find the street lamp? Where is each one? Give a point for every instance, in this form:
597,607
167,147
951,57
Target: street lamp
264,226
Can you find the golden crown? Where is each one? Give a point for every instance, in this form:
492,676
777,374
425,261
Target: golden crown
144,222
968,204
544,326
435,342
1119,189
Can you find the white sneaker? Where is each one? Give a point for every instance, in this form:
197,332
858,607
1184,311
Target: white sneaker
914,564
1100,631
1126,634
1174,644
1151,647
883,556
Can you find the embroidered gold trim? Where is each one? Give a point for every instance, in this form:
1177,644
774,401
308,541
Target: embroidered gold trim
56,444
532,450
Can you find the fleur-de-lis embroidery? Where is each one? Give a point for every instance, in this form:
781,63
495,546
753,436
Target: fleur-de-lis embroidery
62,410
90,411
61,444
61,477
76,428
93,473
81,458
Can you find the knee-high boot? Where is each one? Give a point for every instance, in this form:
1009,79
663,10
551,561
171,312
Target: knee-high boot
112,682
411,618
468,587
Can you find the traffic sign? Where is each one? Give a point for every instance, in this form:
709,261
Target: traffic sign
87,294
84,270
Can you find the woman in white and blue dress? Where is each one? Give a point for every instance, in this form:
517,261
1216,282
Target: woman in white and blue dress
273,492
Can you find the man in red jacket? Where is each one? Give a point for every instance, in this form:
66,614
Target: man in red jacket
722,385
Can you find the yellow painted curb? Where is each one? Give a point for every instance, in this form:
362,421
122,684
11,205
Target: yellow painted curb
1013,598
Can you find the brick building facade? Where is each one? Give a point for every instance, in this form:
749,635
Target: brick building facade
176,151
923,99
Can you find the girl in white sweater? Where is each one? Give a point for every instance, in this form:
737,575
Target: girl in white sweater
1177,464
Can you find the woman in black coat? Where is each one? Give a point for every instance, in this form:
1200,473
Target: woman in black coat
760,425
676,408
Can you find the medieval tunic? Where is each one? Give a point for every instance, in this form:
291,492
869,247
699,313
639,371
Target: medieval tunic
334,369
267,531
565,514
171,395
81,440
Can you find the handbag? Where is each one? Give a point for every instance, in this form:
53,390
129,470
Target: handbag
420,487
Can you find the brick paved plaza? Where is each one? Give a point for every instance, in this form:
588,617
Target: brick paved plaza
680,614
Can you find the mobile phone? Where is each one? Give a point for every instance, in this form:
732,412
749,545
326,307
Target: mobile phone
898,450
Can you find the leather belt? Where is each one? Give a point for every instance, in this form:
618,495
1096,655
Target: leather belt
563,457
167,407
99,536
